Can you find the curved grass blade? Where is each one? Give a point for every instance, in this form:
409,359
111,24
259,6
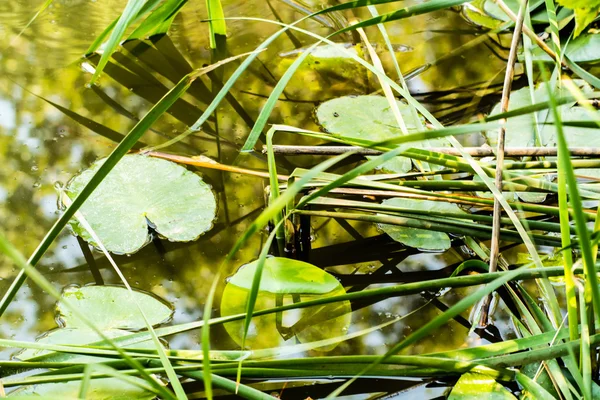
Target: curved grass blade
159,20
216,24
37,14
128,16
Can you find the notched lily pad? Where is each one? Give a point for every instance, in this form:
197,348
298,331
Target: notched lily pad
141,192
420,238
371,118
284,281
112,307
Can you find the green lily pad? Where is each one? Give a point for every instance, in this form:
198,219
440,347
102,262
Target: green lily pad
473,386
77,336
284,281
111,307
142,192
371,118
583,49
100,389
520,130
420,238
286,276
488,14
492,9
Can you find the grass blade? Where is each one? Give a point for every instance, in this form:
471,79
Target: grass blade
129,14
216,25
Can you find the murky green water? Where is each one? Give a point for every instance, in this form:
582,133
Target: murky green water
40,147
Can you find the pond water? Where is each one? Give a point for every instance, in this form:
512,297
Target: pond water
41,147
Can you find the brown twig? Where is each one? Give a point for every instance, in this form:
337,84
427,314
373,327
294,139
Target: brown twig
508,79
528,32
205,162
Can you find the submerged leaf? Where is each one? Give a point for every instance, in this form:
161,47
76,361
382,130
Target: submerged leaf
420,238
283,281
141,192
473,386
100,389
370,118
112,307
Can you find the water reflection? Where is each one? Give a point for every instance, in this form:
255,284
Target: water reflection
40,145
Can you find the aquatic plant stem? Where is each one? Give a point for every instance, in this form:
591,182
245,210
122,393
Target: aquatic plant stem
484,151
508,79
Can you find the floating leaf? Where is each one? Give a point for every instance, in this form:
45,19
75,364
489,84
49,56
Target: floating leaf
477,386
112,307
370,118
77,336
141,192
100,389
520,130
491,8
583,49
283,281
420,238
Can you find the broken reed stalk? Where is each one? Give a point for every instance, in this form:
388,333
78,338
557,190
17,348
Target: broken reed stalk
508,79
205,162
288,150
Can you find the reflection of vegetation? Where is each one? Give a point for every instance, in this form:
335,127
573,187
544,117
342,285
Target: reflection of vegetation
39,146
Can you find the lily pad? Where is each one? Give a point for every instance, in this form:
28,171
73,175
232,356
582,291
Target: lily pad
111,307
583,49
371,118
77,336
520,130
488,14
100,389
473,386
285,281
420,238
142,192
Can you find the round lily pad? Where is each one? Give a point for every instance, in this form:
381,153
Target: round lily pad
100,389
285,281
142,192
420,238
371,118
112,307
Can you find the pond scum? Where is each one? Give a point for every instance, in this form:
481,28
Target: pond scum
501,178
